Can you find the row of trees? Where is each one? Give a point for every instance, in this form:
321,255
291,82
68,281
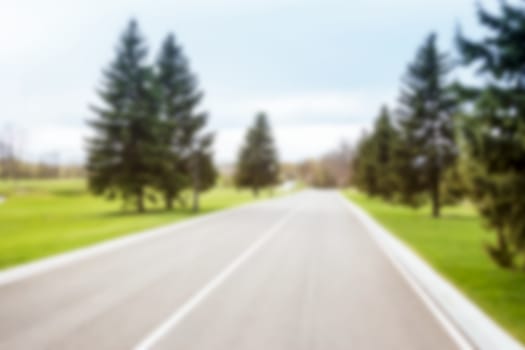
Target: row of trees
149,136
17,169
13,166
148,132
10,153
333,169
446,140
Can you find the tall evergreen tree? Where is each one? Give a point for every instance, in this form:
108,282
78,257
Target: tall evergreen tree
258,165
201,168
386,140
365,174
186,146
495,132
426,109
125,148
374,161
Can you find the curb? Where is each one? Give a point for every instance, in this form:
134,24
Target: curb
480,331
30,269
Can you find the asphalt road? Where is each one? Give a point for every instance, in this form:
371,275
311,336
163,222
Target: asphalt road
299,272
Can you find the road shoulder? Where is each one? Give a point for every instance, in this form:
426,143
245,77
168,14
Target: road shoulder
460,313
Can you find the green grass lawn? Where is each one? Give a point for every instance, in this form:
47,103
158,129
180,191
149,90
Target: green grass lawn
42,218
453,245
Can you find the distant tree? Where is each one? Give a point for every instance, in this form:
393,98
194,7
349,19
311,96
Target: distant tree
337,165
187,147
11,146
365,175
257,165
495,131
306,171
124,152
386,139
374,161
427,108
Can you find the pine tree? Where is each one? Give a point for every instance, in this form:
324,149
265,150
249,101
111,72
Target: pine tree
365,174
426,108
201,168
495,132
125,150
187,147
374,161
257,165
386,140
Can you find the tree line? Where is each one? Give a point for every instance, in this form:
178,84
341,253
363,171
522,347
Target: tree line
446,140
333,169
13,166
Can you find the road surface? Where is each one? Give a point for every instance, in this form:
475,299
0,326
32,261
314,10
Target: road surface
298,272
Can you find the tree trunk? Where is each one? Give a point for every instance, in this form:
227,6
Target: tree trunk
182,202
196,181
256,191
168,201
195,200
436,205
140,201
503,247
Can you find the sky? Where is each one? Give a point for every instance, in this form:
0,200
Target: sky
321,69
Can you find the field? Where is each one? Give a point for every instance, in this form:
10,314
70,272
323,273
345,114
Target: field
42,218
454,246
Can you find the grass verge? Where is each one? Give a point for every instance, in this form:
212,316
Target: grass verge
453,245
42,218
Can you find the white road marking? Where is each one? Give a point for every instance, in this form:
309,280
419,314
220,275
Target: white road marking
150,340
21,272
440,316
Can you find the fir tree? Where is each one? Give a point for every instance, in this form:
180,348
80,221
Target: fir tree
495,132
374,161
385,140
426,108
186,146
201,168
257,165
125,148
365,174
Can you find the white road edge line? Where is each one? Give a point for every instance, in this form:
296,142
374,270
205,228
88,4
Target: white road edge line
456,335
151,339
14,274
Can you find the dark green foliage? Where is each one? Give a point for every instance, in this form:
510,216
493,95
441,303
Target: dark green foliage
374,161
257,165
495,132
428,145
125,149
453,185
201,168
187,149
410,181
365,176
386,140
148,134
